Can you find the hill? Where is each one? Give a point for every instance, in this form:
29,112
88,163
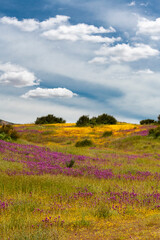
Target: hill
5,122
70,191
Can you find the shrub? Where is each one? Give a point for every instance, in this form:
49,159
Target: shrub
83,121
107,134
49,119
7,132
14,134
154,132
70,163
106,119
147,121
84,143
6,128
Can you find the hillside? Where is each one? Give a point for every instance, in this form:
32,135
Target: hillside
5,122
109,189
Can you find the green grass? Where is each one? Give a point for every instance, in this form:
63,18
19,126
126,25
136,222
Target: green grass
5,165
137,144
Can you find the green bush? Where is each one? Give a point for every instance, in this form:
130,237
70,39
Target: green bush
84,143
7,132
106,119
49,119
155,132
70,163
147,121
107,134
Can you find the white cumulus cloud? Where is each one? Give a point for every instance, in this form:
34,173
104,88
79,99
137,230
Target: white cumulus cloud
126,53
52,22
49,93
27,25
80,32
16,76
30,25
59,28
149,27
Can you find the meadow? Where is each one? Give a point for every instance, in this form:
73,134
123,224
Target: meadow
52,190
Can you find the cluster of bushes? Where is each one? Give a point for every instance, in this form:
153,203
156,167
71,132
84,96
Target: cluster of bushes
49,119
101,119
150,121
7,132
147,121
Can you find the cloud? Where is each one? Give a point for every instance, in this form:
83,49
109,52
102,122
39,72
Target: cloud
16,76
49,93
141,91
100,60
52,22
30,25
100,39
84,29
131,4
80,32
125,52
145,71
155,38
64,63
27,25
59,28
120,16
149,27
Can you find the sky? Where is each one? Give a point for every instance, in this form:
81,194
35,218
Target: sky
71,58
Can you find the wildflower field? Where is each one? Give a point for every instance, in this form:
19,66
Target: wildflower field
52,190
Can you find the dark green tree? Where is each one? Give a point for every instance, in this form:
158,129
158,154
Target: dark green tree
83,121
106,119
93,121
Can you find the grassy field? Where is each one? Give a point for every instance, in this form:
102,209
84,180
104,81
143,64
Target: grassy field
50,189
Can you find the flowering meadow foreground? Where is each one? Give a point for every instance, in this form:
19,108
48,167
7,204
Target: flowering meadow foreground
52,190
